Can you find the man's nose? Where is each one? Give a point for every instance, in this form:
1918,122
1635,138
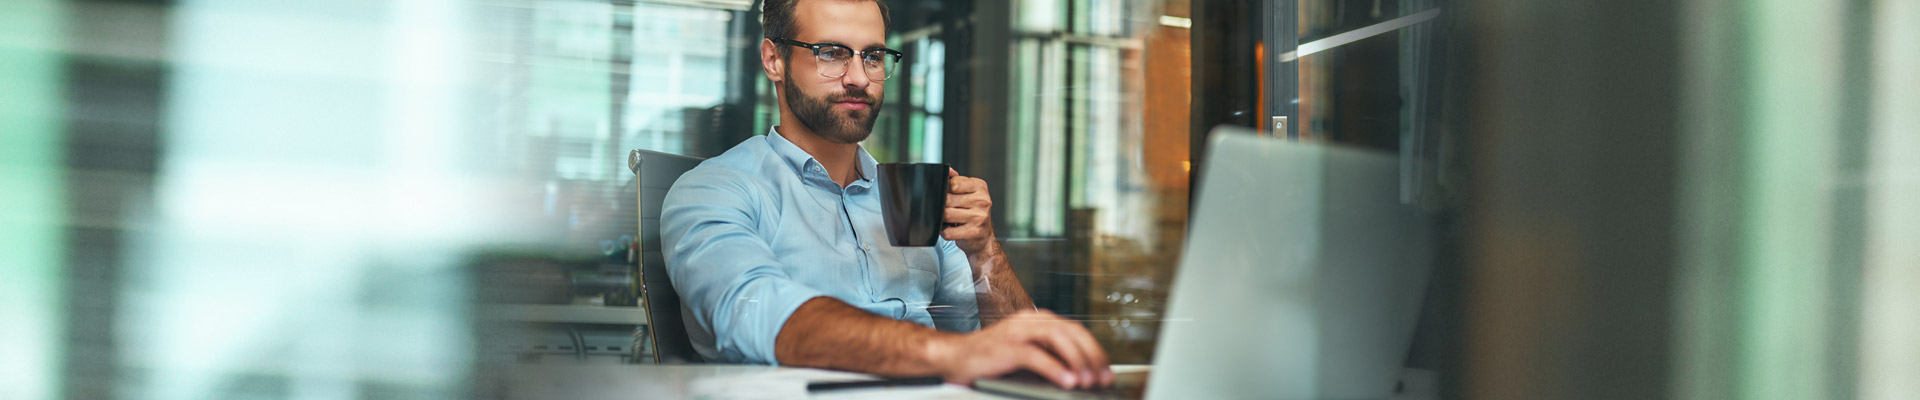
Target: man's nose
856,77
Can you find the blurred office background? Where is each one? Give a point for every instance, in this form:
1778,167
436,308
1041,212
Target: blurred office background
379,199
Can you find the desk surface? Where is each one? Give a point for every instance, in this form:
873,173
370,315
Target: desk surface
584,314
672,382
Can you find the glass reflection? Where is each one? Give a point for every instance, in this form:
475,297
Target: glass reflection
370,199
1096,195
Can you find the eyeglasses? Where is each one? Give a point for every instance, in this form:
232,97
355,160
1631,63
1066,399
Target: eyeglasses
833,58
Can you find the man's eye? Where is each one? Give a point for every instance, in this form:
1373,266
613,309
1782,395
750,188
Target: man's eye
835,53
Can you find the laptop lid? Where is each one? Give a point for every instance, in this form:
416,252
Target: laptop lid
1302,277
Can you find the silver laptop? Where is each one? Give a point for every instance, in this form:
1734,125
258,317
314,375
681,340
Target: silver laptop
1302,278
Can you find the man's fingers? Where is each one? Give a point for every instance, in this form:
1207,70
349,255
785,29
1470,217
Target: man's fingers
1096,358
969,201
963,216
960,232
955,215
965,185
1079,335
1064,346
1041,362
1073,343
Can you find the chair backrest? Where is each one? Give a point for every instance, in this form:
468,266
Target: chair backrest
654,173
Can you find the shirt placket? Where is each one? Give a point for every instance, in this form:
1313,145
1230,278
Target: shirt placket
859,243
865,267
870,260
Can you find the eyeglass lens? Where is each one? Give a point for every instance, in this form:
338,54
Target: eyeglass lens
833,62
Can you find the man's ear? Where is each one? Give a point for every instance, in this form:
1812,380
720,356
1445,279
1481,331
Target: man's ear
770,61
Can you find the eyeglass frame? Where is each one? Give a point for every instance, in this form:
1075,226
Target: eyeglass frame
817,47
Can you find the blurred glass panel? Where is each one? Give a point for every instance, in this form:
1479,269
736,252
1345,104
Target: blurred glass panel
680,63
1379,92
1372,92
1094,216
580,84
1320,19
275,198
31,248
1890,335
910,125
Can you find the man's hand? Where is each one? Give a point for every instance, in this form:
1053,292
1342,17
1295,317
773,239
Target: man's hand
1033,340
969,215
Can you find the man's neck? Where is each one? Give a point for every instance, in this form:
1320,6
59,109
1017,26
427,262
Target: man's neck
842,160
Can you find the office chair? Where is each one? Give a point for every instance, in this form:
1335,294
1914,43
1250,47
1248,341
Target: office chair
654,173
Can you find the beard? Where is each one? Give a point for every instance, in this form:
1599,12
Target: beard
817,114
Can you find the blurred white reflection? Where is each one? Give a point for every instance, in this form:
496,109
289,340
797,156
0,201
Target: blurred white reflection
1890,330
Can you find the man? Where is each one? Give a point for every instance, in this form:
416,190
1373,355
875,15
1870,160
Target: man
778,250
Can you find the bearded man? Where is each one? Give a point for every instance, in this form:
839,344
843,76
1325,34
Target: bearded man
778,249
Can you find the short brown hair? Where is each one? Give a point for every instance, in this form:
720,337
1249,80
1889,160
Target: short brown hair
777,21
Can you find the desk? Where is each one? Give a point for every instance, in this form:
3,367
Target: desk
676,382
566,314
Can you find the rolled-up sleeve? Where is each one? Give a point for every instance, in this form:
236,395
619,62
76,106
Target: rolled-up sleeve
956,301
723,268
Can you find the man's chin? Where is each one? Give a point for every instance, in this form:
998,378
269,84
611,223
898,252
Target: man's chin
853,115
852,128
852,134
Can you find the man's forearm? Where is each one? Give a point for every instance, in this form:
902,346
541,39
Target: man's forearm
827,333
1001,294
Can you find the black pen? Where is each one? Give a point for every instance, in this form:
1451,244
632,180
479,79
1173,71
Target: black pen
888,382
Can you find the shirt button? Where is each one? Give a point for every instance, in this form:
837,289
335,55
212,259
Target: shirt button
868,245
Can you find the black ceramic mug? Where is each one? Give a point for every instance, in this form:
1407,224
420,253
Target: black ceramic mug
913,200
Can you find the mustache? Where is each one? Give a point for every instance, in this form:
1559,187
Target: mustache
851,96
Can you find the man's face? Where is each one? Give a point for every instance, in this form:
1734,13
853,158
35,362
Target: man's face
843,109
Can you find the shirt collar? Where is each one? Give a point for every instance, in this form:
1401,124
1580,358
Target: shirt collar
802,162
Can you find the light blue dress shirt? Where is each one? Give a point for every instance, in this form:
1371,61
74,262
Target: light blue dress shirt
753,233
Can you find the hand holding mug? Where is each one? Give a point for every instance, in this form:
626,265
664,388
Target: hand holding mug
969,213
